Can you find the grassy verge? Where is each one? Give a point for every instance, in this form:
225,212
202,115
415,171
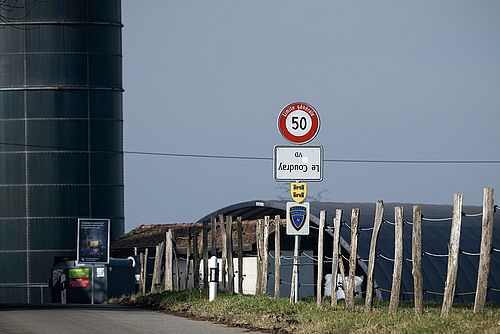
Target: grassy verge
279,316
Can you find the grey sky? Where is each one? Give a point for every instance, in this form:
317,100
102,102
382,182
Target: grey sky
390,80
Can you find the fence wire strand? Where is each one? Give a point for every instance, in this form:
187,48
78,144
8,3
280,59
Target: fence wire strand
469,253
281,281
436,219
388,222
385,257
434,255
472,214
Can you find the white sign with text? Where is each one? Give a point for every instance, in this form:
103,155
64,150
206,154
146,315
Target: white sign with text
298,163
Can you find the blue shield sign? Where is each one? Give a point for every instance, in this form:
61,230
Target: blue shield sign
297,218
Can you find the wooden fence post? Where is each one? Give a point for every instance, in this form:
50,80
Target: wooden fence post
156,270
188,255
223,235
352,259
319,280
453,249
258,243
277,256
205,254
177,266
159,286
372,257
169,250
265,255
335,255
196,259
485,251
342,273
398,260
416,258
239,227
213,231
144,287
230,263
141,283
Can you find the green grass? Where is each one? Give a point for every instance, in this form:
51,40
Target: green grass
280,316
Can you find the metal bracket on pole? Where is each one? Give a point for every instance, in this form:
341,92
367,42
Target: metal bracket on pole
92,293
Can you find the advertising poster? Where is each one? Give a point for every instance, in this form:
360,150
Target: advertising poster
93,240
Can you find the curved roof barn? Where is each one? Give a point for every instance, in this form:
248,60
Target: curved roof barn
435,238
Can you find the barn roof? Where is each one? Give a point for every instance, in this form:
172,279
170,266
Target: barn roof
149,236
435,237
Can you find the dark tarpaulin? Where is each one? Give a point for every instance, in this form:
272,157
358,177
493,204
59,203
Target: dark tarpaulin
435,237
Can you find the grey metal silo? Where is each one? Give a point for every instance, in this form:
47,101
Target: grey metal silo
61,150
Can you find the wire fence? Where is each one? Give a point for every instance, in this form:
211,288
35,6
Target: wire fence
380,255
308,258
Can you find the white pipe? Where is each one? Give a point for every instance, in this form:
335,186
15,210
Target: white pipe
213,269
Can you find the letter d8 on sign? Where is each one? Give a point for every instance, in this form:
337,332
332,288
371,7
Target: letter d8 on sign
298,163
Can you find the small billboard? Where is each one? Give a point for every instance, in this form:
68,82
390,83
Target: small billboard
93,240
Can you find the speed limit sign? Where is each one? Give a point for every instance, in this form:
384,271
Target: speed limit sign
298,122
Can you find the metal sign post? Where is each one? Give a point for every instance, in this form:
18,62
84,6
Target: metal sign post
298,123
93,245
296,263
92,286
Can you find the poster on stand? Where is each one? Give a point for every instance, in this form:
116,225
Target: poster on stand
93,240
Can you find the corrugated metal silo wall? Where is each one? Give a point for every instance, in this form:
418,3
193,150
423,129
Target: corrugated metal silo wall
61,149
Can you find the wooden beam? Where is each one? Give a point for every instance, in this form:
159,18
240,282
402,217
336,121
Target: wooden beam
188,255
277,256
453,250
398,260
265,255
205,254
196,259
337,221
485,250
213,240
319,280
230,263
177,265
223,235
144,287
141,283
416,258
353,259
258,244
372,257
169,252
239,227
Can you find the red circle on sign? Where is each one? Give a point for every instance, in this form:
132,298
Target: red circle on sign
298,129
